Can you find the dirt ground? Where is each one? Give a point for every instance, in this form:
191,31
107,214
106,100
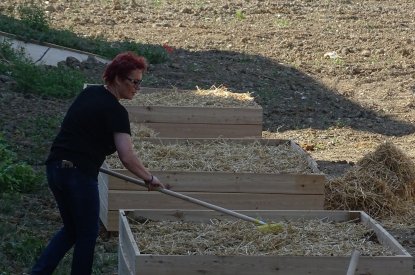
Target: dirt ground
279,50
338,76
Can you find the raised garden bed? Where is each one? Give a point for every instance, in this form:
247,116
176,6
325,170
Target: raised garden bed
319,251
196,114
291,180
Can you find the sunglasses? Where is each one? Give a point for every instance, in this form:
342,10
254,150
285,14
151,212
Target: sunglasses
136,82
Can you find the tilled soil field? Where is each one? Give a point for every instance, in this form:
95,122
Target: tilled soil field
338,77
280,50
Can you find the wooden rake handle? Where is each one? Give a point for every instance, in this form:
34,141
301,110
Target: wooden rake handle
184,197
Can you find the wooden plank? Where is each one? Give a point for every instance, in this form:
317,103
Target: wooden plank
194,130
265,265
149,90
194,115
103,183
127,243
103,199
112,220
244,141
193,215
104,215
226,182
120,199
383,236
123,268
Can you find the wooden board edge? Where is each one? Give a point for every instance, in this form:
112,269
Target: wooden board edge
384,236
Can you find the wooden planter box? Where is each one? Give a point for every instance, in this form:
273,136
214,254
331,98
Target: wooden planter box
198,122
225,189
130,261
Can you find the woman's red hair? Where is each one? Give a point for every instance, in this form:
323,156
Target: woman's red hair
122,65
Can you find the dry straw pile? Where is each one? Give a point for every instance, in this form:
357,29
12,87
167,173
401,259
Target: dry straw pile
218,155
298,238
214,97
382,184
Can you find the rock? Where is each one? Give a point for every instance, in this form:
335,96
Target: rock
365,53
331,55
355,71
406,52
91,63
379,51
5,78
161,24
73,63
345,51
175,65
50,8
62,64
186,10
244,39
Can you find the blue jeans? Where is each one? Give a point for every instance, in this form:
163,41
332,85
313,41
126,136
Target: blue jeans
78,201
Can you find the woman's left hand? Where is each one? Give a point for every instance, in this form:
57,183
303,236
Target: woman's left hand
156,184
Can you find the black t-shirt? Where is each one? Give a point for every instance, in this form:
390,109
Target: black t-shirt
87,131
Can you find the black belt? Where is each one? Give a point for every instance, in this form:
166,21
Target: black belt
66,164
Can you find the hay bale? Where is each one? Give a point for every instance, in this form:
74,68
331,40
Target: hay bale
381,184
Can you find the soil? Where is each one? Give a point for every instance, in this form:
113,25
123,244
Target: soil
338,77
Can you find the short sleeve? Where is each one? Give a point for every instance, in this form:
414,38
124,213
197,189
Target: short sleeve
118,121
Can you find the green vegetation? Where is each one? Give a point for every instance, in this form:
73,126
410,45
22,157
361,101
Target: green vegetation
15,176
282,22
33,25
41,80
157,3
240,14
24,248
33,17
49,81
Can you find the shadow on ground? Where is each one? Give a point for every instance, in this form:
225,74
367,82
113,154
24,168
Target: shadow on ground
290,99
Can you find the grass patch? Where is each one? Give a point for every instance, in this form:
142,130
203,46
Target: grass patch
282,22
23,247
240,15
38,132
33,17
16,176
33,25
49,81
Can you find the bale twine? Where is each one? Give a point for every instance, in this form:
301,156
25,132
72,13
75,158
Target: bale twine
382,184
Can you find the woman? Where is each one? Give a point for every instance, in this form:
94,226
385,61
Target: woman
96,125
